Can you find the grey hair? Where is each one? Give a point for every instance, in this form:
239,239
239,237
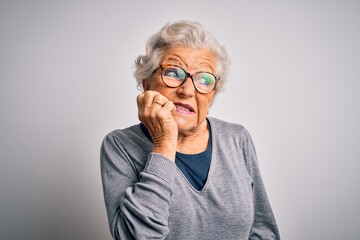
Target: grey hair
181,33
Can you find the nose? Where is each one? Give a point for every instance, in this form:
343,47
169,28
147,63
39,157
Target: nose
187,88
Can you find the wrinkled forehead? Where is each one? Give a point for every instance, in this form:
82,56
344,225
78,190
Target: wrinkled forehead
191,59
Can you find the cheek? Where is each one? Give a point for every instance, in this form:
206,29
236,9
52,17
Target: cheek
203,107
156,85
152,84
204,102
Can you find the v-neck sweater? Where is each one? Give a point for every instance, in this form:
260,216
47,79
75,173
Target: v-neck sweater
148,197
195,167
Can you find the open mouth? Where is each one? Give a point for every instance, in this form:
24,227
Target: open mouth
183,108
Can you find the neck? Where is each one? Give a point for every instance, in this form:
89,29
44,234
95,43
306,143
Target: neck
194,142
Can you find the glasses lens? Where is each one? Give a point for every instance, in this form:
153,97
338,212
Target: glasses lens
173,76
204,82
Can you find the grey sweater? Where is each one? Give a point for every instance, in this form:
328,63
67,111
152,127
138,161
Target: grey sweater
148,197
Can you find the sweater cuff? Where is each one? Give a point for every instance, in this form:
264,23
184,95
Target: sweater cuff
161,167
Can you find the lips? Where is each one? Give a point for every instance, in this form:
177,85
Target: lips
184,108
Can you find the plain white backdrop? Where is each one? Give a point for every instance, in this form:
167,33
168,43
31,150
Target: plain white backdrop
66,81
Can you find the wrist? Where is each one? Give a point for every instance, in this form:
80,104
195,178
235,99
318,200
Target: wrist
167,150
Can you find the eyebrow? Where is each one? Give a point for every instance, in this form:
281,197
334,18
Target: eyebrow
181,64
177,61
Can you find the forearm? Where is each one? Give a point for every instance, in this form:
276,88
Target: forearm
143,211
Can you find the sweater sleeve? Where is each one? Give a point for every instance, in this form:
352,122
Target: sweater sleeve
264,226
137,204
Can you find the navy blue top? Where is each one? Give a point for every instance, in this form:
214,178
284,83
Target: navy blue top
195,167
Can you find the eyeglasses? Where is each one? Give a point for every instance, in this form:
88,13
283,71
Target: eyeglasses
174,76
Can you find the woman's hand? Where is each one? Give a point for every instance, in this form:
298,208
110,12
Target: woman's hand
155,111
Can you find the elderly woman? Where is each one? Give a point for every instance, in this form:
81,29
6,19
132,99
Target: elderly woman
180,174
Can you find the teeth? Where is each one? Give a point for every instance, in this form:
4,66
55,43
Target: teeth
183,108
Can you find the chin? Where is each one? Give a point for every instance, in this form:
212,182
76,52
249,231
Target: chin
186,125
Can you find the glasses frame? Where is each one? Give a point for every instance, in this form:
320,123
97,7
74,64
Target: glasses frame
162,66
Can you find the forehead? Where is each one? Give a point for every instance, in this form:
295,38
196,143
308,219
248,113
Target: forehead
190,58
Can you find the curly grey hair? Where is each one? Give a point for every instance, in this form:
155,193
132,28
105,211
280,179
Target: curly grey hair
181,33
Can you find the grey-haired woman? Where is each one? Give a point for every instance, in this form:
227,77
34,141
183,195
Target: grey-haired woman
180,174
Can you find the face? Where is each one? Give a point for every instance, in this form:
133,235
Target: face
191,106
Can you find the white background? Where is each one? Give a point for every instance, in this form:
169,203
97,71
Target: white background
66,81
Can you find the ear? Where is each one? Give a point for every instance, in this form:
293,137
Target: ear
213,98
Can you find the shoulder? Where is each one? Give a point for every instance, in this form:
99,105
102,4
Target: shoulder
231,135
128,145
234,137
124,133
128,138
221,128
131,134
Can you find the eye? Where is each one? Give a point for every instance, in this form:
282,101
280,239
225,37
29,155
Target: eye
205,79
170,72
174,72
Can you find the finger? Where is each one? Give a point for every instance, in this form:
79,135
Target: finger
159,98
169,105
148,98
156,102
153,98
140,100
